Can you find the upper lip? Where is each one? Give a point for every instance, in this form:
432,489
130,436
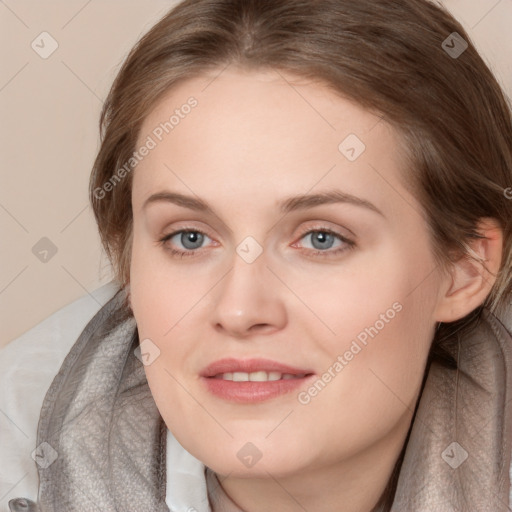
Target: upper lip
230,365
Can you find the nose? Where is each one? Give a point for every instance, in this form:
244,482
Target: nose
249,300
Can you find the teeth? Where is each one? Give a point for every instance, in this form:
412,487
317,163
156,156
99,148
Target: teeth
260,376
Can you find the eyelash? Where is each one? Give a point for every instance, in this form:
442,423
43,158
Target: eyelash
348,244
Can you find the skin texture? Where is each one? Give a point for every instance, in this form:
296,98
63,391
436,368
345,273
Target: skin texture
253,140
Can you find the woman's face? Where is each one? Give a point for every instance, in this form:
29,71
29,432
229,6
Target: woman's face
306,269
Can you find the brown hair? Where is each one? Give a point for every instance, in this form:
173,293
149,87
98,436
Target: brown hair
391,57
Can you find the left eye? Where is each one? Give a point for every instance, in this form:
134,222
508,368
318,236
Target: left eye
321,239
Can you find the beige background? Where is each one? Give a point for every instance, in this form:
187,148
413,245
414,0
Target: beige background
49,111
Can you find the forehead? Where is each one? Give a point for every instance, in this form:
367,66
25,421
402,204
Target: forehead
241,104
266,131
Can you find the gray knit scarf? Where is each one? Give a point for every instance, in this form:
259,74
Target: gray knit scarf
100,417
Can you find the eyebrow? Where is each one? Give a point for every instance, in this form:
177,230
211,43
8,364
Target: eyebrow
290,204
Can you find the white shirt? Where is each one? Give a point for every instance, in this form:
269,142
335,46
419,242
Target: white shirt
27,368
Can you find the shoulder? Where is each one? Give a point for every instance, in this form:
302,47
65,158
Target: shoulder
28,366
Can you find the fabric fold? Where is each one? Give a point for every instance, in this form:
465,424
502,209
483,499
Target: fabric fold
101,423
458,454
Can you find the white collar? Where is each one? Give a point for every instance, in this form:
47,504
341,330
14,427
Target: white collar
186,481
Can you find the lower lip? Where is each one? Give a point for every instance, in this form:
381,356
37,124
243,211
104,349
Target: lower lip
251,392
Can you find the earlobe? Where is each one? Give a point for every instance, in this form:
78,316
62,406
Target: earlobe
473,275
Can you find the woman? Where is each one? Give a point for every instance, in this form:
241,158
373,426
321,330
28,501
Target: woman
307,209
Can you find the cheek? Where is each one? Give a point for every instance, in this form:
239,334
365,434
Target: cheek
376,382
375,361
160,309
378,313
160,293
380,301
165,303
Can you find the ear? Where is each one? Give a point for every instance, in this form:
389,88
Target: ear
469,282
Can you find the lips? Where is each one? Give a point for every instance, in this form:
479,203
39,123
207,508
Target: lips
252,380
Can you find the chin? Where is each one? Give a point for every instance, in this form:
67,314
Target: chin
246,459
